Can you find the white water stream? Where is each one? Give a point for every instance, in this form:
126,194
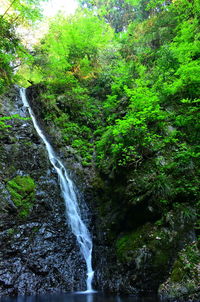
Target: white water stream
73,214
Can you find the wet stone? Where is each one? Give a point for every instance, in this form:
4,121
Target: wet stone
35,248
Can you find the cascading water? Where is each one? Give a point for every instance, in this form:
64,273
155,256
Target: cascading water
73,214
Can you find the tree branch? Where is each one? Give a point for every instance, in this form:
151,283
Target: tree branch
11,4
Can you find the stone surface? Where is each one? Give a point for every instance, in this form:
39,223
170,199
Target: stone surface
38,253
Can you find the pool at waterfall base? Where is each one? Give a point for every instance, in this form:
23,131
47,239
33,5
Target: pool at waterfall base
80,297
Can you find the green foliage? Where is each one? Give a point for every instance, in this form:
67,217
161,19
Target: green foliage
133,136
4,121
186,266
3,124
118,13
22,190
8,50
128,105
23,10
17,13
69,50
128,102
67,61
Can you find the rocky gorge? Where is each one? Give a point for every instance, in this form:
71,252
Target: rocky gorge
137,250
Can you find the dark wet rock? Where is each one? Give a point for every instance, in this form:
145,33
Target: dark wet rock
38,252
140,261
183,282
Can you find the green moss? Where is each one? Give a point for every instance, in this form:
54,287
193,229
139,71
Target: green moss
178,271
184,279
22,190
35,229
126,245
98,183
186,266
153,238
161,258
28,143
11,231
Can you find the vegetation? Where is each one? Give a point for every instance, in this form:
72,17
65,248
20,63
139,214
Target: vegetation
22,191
120,81
186,264
5,120
152,238
184,276
127,101
12,51
16,13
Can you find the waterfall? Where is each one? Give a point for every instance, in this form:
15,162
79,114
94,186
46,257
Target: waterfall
73,214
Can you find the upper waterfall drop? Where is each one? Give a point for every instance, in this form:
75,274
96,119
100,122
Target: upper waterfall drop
78,227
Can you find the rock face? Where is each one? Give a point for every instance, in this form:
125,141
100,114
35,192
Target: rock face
38,251
148,259
183,282
160,255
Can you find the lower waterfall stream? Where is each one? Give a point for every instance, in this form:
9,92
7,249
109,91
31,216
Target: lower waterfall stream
73,214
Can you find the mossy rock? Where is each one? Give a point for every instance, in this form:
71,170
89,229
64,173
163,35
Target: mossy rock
178,272
11,232
184,278
187,264
154,239
128,243
22,191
